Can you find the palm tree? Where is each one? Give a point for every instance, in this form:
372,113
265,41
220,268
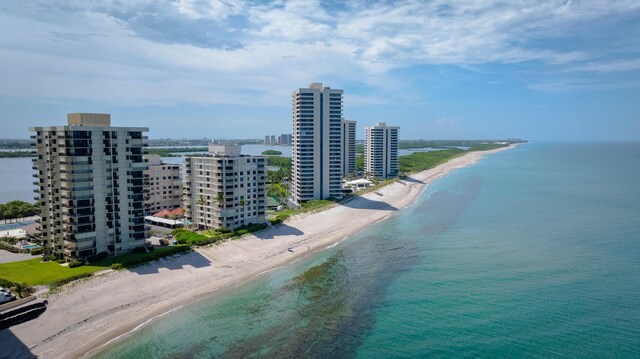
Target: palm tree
23,289
201,202
220,199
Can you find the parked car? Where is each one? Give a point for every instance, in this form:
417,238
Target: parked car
6,297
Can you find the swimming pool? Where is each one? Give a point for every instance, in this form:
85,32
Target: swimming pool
31,246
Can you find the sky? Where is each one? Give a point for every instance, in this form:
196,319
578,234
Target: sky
470,69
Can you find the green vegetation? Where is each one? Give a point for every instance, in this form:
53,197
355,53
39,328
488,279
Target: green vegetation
421,161
60,282
15,154
21,290
17,209
15,143
212,236
406,144
360,149
359,163
307,207
272,153
279,161
279,190
35,272
172,152
8,247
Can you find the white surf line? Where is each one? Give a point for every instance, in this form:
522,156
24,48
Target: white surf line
335,244
380,220
267,271
132,330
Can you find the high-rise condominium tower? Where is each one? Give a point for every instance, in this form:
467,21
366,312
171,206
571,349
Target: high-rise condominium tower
316,143
225,189
348,147
90,186
381,151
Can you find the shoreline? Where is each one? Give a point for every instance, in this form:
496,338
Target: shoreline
89,316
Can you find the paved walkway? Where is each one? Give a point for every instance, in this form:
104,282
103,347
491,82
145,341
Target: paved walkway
7,257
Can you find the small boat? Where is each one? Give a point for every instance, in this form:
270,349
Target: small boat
290,249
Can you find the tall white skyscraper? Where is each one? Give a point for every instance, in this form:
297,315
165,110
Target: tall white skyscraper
381,151
316,143
90,186
348,147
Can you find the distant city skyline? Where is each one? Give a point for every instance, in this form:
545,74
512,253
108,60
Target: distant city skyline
544,71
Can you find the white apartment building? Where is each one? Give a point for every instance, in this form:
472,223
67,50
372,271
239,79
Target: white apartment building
225,189
316,143
381,151
163,185
348,147
90,186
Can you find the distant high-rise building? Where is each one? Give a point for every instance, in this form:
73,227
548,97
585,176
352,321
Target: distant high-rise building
284,139
272,140
381,151
163,183
225,189
90,186
267,140
348,146
317,143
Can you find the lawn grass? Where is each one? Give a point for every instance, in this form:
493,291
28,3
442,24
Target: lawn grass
35,272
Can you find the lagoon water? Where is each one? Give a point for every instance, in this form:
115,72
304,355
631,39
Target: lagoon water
533,252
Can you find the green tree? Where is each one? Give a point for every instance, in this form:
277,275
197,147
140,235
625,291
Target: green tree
22,289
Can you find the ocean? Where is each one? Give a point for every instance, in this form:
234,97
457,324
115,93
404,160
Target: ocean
532,252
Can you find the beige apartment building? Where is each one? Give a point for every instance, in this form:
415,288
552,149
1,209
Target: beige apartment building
381,151
225,189
316,143
163,185
90,186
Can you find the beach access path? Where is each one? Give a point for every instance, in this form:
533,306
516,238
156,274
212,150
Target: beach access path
87,315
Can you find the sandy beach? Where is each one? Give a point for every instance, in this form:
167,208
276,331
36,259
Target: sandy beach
85,316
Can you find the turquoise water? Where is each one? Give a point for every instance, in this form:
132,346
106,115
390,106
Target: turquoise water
533,252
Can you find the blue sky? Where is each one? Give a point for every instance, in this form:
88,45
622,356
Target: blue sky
542,70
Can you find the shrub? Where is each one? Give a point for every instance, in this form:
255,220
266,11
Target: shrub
139,250
36,251
5,283
98,257
75,263
52,257
150,256
12,249
61,261
117,266
61,282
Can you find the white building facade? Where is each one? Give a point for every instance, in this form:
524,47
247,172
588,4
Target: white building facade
225,189
316,143
348,147
381,151
90,186
163,184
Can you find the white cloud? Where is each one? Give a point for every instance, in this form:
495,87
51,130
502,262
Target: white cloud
91,50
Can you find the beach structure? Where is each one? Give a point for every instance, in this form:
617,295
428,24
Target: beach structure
316,143
348,146
90,186
381,151
224,189
162,181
